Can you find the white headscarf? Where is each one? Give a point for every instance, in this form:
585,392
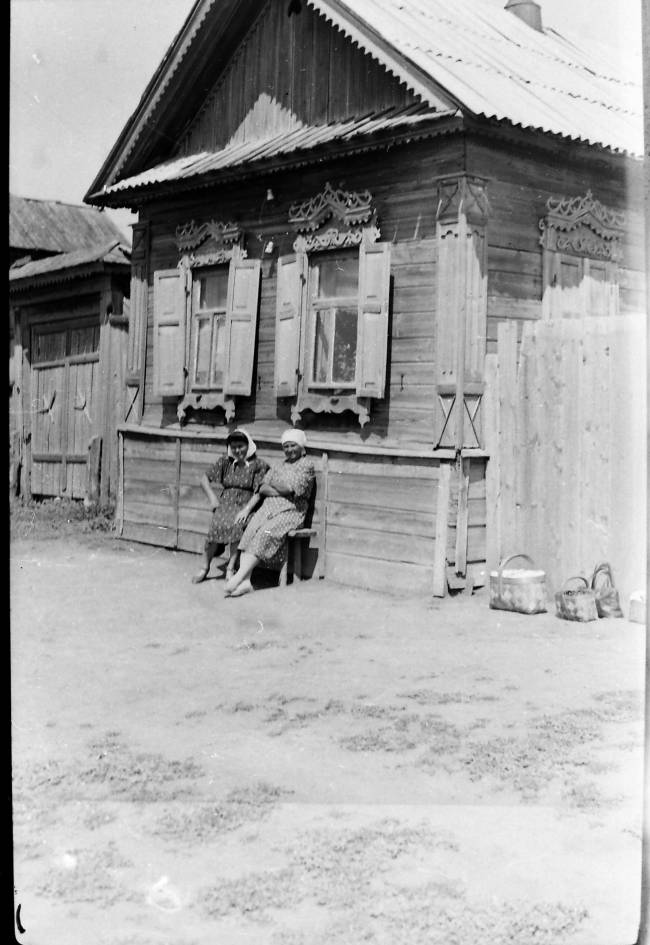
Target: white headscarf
252,448
295,436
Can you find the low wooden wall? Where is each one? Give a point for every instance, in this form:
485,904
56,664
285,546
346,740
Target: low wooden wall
384,521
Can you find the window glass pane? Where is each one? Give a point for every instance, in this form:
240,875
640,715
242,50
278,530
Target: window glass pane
213,288
203,345
219,341
338,274
84,340
345,346
322,346
48,346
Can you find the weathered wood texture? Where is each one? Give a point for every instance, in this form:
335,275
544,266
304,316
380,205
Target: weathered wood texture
382,513
568,429
520,183
71,388
290,71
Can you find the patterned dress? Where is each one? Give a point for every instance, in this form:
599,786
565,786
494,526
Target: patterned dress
234,483
266,532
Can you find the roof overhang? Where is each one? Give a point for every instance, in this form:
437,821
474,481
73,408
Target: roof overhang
285,151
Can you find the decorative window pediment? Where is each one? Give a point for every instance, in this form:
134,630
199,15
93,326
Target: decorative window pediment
333,219
209,244
581,240
582,226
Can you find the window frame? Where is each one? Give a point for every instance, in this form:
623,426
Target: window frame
313,305
216,314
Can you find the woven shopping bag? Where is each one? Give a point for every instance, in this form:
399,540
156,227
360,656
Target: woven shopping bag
607,599
576,603
520,589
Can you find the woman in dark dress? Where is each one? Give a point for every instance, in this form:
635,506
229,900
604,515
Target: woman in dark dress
232,487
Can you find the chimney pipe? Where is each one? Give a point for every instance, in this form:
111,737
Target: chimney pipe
528,11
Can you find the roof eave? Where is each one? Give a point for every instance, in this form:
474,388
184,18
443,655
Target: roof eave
56,277
145,193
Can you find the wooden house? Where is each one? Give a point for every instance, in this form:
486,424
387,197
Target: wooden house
68,285
339,201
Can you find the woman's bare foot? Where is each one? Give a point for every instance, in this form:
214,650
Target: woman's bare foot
245,587
200,576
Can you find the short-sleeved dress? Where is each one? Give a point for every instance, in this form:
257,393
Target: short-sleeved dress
265,534
238,481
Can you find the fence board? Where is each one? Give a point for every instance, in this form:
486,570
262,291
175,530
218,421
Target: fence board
567,441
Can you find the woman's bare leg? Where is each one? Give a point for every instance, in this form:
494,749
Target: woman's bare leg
231,567
211,550
247,564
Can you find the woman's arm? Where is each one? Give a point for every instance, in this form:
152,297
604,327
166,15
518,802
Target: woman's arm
209,492
252,503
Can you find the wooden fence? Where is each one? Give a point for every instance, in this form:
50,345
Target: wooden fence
567,436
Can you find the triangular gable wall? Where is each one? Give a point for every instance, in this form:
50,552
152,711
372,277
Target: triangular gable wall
293,69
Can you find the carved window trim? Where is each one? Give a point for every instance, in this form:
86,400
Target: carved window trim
331,220
585,229
225,243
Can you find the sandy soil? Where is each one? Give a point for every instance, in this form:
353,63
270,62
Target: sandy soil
313,764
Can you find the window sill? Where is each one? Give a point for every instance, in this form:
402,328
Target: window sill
331,403
206,401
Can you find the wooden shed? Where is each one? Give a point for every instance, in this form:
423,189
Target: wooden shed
338,204
68,334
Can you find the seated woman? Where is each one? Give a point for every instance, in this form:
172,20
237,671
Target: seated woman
232,486
286,490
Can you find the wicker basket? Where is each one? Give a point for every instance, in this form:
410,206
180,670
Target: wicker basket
520,589
577,603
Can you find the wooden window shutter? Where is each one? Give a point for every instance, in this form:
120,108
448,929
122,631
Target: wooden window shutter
169,332
372,327
291,279
241,324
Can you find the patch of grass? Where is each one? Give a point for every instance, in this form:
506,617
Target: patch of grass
335,869
430,697
202,822
111,771
58,518
88,876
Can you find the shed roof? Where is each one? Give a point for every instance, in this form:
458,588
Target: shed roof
474,54
66,266
56,227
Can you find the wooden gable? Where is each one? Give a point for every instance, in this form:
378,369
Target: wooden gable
293,69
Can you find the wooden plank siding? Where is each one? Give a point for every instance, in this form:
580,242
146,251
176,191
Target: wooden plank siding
290,71
381,520
519,185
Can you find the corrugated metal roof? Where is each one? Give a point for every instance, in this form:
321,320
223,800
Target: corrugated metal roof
114,252
497,66
301,139
471,52
58,227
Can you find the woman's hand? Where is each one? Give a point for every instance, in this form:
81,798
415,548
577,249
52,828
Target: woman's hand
242,515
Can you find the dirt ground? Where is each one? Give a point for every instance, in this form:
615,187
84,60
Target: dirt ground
311,765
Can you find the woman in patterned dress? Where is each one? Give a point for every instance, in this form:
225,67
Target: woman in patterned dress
286,490
232,487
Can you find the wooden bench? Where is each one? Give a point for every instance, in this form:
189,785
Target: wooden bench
293,566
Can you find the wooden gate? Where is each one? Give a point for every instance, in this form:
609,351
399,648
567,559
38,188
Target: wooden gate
65,376
566,433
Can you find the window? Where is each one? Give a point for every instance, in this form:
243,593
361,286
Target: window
209,306
331,337
205,322
333,319
581,249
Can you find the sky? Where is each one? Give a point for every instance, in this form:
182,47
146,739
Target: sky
79,67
